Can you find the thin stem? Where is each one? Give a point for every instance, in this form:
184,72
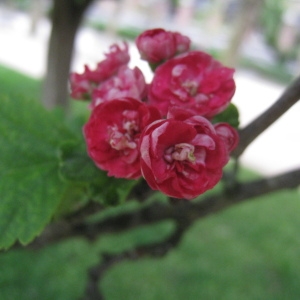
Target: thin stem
184,214
157,212
156,249
289,97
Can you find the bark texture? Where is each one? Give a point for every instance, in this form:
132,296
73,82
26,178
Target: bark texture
66,16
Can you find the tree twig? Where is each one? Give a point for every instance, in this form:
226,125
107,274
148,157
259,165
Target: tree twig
184,214
289,97
157,249
157,212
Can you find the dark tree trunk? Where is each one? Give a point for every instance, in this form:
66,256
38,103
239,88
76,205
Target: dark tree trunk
66,18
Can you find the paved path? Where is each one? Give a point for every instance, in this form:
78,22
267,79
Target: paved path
276,150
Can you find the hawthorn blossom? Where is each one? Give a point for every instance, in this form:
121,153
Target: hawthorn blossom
112,135
183,156
161,130
157,45
228,134
82,85
182,42
126,83
194,81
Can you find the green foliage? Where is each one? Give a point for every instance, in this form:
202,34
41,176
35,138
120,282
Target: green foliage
110,190
248,252
29,182
15,85
45,171
229,115
97,25
232,255
129,33
77,167
271,19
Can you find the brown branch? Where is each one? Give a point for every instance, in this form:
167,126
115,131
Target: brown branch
157,212
75,226
193,210
289,97
184,214
89,209
157,249
62,229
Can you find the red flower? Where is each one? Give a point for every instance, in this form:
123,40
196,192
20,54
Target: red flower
116,58
126,83
183,42
228,134
193,81
82,85
157,45
182,156
112,135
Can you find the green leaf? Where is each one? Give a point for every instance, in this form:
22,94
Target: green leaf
77,167
111,190
30,185
229,115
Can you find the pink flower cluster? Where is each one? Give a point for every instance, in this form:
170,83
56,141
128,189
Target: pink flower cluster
111,79
161,130
158,45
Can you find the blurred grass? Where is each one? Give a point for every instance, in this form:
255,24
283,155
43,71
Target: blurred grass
14,84
249,252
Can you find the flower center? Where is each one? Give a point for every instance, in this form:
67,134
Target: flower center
120,141
191,87
180,152
124,138
130,122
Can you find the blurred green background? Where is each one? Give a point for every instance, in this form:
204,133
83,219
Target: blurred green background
249,252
